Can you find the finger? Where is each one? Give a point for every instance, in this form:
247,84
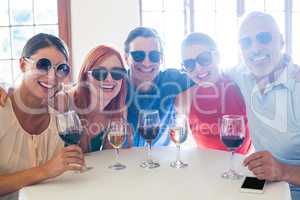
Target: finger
73,148
260,176
252,157
258,170
255,164
72,154
74,168
70,161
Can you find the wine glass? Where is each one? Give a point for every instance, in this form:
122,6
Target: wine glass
178,133
117,133
148,127
70,129
232,135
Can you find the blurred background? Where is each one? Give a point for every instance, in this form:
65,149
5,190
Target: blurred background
85,24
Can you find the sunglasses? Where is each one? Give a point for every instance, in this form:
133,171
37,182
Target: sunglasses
139,56
204,59
44,65
101,73
261,38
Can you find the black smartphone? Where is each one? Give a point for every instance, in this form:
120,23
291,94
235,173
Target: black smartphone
253,185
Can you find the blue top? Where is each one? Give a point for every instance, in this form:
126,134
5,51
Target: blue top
274,115
161,97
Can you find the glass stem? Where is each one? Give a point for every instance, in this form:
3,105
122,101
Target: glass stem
231,161
178,153
117,155
149,152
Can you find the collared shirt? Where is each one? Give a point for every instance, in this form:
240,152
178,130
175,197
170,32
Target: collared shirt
161,97
274,115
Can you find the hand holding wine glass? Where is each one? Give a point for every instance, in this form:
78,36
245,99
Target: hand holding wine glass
232,135
70,129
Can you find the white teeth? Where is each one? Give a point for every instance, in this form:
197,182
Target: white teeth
201,76
259,58
147,70
46,85
107,86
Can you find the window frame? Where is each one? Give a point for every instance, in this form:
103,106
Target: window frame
189,18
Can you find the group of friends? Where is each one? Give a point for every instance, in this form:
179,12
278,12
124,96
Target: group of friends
263,88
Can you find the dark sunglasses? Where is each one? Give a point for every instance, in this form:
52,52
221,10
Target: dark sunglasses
261,38
139,56
204,59
44,65
101,73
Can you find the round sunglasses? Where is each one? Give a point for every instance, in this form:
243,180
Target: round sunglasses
261,38
44,65
101,73
204,59
139,56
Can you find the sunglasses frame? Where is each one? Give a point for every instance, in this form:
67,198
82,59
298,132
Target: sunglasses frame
196,60
56,67
144,53
260,41
122,72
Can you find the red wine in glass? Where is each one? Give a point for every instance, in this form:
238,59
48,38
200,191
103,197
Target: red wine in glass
70,136
232,142
149,133
232,135
148,127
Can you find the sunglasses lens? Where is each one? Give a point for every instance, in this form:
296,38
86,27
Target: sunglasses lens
204,59
138,56
63,70
118,73
245,43
264,37
189,65
154,56
43,64
99,74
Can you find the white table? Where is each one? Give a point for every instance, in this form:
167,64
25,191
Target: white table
200,180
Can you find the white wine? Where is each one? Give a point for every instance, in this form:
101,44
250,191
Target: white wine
116,139
178,134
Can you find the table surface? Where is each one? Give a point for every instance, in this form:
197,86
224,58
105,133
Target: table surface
200,180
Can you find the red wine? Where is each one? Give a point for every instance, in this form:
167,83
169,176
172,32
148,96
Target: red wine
70,136
232,142
149,133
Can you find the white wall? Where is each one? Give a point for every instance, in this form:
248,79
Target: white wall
97,22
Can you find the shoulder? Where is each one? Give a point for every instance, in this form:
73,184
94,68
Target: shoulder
6,117
172,73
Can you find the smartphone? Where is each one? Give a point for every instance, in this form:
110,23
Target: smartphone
253,185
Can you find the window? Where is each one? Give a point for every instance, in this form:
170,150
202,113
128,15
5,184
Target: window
218,18
167,17
296,31
19,21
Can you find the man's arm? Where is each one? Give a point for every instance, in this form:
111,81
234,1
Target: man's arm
265,166
180,79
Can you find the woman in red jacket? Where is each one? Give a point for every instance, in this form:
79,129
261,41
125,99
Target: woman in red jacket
213,95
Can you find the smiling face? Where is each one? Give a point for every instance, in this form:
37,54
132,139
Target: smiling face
144,71
39,84
200,74
265,43
109,88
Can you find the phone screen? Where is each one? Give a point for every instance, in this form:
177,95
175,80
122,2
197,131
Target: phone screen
253,183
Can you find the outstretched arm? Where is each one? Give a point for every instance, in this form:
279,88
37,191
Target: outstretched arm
69,158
